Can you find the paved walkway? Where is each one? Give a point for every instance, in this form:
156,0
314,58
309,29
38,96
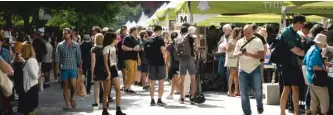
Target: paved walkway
51,103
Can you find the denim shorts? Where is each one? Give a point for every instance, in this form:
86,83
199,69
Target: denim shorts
67,74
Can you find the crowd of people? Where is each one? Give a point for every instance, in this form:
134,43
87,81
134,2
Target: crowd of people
303,55
156,55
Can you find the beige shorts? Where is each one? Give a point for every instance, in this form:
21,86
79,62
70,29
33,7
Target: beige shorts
319,96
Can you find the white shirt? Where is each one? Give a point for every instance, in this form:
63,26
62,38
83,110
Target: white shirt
246,63
113,54
48,57
30,74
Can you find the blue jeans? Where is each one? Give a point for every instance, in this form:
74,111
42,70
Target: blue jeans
307,98
245,80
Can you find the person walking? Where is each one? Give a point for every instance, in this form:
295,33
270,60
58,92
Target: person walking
173,61
250,50
86,60
68,59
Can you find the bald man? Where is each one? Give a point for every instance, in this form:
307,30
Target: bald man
250,50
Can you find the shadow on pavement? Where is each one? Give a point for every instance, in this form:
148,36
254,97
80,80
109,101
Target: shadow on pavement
175,107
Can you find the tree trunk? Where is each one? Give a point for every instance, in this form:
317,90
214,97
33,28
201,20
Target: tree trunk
8,18
26,20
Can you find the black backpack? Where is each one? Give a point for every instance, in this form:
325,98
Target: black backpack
150,48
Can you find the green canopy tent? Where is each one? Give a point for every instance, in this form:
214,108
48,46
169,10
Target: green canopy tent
250,18
202,10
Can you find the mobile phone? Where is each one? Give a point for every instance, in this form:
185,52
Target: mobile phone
243,50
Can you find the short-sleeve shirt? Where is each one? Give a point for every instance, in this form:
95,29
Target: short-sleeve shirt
131,42
111,50
157,57
311,59
68,56
141,53
291,39
99,59
246,63
174,61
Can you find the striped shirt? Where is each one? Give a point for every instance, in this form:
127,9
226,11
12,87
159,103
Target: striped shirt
68,57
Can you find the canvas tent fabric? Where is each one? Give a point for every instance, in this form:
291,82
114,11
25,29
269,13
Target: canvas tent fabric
250,18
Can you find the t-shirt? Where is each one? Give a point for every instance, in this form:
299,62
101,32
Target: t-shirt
48,57
311,59
262,40
111,50
40,48
119,47
99,59
291,39
157,58
141,53
246,63
174,60
130,42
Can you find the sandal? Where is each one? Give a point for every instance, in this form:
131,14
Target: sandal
73,104
236,94
230,95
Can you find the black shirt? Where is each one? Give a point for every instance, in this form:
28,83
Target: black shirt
85,52
130,42
143,58
157,55
40,48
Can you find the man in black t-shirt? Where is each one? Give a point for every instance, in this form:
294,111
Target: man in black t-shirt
130,55
154,49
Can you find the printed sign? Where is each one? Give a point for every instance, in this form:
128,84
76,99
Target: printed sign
183,18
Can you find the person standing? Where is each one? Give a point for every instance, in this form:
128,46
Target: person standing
314,62
40,49
47,62
110,62
291,71
68,59
144,62
250,50
173,61
131,57
86,60
29,99
185,47
154,50
120,53
231,61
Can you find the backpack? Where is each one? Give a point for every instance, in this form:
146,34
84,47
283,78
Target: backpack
173,53
183,47
99,64
149,48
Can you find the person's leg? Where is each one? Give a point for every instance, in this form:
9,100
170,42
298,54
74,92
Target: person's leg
134,71
131,67
127,74
295,94
243,86
307,100
323,98
65,91
101,92
144,78
96,88
106,91
138,75
256,81
314,100
230,81
284,98
88,81
72,78
235,76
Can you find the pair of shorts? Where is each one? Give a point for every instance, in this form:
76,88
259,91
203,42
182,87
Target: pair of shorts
121,64
292,75
187,65
114,72
46,67
29,101
67,74
100,77
156,72
143,68
172,72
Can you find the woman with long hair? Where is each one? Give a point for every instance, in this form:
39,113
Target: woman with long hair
97,65
110,62
29,99
231,61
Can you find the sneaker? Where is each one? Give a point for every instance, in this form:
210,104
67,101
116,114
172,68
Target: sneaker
152,103
160,103
260,110
94,105
169,97
182,100
187,96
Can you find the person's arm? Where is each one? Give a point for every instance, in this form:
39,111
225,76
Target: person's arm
260,51
57,58
5,67
237,51
292,45
79,58
125,45
315,62
106,61
33,68
93,62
